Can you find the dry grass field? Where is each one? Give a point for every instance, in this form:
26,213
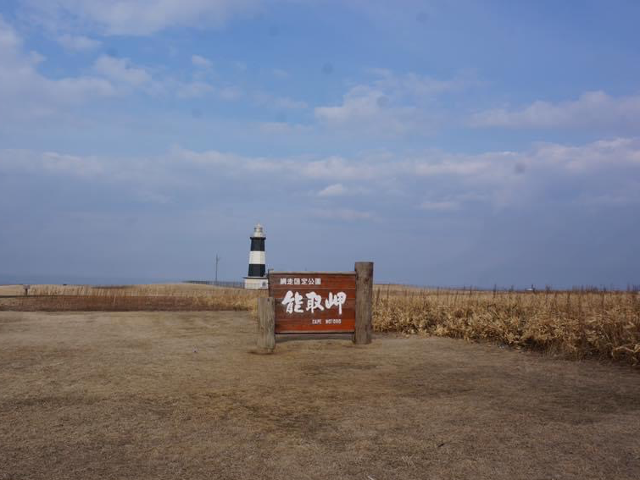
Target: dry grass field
575,324
166,395
155,297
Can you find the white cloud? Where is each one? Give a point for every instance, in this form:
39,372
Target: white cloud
360,103
60,163
124,73
279,73
364,107
487,169
600,155
339,168
200,89
9,40
121,70
390,104
230,93
444,205
334,190
419,86
77,43
201,62
339,190
273,101
194,90
344,214
26,94
139,17
240,66
592,109
287,103
281,128
599,173
50,163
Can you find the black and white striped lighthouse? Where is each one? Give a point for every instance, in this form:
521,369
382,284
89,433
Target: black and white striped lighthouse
257,277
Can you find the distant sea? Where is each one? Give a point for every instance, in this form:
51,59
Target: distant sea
11,279
34,279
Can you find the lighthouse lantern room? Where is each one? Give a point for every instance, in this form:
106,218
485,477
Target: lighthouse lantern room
257,279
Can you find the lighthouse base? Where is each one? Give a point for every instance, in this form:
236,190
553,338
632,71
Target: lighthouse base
256,283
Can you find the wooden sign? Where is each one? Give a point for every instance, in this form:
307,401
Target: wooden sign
314,302
317,302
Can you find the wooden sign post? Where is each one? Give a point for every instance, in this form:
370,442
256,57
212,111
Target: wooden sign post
364,309
317,302
266,324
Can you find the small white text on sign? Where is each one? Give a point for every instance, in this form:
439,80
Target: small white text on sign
327,321
300,281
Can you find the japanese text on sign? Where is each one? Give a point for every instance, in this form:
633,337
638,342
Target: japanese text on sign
294,301
300,281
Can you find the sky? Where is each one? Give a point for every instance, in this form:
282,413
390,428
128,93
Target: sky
450,142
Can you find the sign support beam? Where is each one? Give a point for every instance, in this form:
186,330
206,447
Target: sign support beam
364,297
266,324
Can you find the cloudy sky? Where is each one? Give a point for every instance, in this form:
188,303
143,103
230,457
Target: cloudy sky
452,143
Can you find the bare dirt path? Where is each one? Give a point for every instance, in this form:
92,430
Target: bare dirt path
180,395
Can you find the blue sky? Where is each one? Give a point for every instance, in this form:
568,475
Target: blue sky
452,143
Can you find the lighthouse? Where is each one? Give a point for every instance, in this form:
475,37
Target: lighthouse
257,279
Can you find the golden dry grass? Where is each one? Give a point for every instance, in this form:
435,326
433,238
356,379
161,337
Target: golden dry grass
163,297
577,324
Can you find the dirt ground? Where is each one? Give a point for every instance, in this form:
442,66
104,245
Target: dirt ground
181,395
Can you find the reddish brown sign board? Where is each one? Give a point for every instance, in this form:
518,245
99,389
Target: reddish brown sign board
314,302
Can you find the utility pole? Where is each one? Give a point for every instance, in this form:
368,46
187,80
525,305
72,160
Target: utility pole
217,260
